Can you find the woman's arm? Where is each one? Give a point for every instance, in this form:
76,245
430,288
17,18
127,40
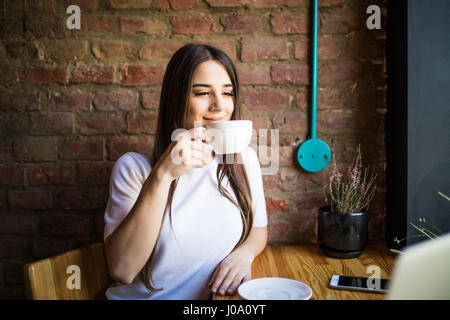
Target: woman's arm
130,245
236,268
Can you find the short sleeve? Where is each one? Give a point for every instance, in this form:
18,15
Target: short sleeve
254,174
127,178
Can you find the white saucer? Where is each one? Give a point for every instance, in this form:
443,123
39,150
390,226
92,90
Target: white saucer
274,289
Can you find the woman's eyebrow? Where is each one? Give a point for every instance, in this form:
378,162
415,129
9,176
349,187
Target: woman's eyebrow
209,86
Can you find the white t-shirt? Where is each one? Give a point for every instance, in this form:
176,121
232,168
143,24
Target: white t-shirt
206,226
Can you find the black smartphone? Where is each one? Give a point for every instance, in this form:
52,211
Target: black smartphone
375,285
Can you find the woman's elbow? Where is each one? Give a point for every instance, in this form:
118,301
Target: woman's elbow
116,270
119,274
124,279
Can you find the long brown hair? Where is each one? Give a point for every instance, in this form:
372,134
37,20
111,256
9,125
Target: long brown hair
173,110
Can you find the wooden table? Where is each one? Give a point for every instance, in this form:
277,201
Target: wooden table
309,265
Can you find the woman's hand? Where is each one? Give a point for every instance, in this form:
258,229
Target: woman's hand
186,152
231,272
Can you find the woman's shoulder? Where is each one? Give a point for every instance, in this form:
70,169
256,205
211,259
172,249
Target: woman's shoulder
251,160
250,156
133,164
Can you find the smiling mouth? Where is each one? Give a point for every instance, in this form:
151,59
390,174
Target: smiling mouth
214,119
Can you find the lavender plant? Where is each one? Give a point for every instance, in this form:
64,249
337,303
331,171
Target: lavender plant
350,192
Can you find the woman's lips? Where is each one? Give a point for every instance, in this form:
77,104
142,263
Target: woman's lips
213,119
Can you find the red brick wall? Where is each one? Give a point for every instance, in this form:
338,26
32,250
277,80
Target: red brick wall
72,102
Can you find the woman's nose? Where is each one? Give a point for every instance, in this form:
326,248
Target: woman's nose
217,102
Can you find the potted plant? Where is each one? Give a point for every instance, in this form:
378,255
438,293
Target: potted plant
343,223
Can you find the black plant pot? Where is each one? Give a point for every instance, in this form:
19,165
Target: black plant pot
342,236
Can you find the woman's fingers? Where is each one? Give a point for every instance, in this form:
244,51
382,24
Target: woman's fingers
213,278
196,145
226,279
201,151
190,151
224,276
208,153
192,158
198,133
238,280
195,154
231,272
234,285
228,283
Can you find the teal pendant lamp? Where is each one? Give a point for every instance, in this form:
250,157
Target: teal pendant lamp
314,155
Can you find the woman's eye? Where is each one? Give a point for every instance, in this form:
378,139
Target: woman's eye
203,93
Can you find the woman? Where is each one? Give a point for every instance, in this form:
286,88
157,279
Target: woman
183,230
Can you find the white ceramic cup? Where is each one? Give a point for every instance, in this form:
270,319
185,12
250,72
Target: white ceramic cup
231,136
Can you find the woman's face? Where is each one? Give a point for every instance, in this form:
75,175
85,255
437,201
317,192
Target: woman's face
211,94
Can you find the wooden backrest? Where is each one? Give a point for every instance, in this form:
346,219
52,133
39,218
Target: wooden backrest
55,279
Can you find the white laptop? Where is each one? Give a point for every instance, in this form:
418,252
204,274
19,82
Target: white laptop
422,272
